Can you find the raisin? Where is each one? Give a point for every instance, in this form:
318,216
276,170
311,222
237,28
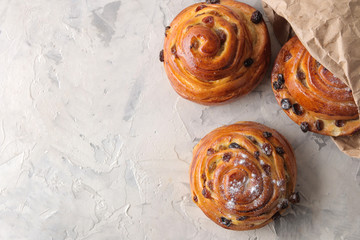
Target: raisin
281,79
267,134
285,104
267,169
212,1
267,149
304,126
294,198
319,124
200,7
248,62
234,145
210,151
161,56
252,139
257,155
280,82
225,221
173,49
339,123
203,177
242,218
300,75
209,20
166,29
277,85
210,185
287,57
297,109
195,198
226,157
279,150
284,204
206,193
256,17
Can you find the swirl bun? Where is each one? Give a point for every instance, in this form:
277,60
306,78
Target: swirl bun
242,176
215,52
311,95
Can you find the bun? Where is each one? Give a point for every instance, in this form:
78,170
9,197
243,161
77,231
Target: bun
215,52
311,95
242,176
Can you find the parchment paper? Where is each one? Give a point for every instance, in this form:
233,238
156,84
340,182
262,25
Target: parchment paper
330,30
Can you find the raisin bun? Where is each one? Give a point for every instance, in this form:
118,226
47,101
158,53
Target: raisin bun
311,95
216,51
242,176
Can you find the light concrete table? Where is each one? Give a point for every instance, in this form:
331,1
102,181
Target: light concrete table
95,144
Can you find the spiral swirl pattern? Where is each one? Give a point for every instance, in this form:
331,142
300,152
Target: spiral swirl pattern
214,52
243,175
315,99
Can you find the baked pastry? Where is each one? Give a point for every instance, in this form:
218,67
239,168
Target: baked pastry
311,95
242,176
216,51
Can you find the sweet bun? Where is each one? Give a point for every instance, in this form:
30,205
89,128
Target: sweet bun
311,95
243,176
216,51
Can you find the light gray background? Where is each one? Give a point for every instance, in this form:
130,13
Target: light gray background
95,144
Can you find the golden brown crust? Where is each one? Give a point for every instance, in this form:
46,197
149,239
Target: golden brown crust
242,175
206,46
324,104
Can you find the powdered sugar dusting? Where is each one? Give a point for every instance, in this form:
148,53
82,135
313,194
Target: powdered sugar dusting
257,202
278,182
243,155
235,186
239,162
230,204
255,189
234,189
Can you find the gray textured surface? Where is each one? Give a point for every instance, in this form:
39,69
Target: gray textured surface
95,144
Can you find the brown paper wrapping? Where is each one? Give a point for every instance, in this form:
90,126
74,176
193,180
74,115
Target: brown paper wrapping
330,31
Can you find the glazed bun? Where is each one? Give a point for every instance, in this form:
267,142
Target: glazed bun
216,52
243,176
311,95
